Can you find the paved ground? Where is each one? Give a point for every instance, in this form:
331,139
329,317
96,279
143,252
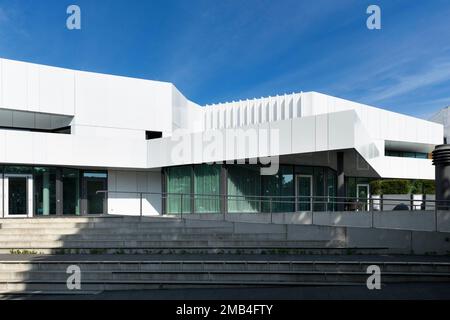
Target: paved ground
410,291
255,257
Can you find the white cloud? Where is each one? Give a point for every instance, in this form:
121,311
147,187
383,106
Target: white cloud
435,74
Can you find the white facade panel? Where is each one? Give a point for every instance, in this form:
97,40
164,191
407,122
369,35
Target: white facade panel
33,88
321,132
284,130
134,192
340,137
94,131
303,135
117,102
14,81
56,91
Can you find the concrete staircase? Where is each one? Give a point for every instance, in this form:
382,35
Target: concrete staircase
147,235
131,253
99,275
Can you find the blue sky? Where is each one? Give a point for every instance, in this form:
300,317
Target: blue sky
223,50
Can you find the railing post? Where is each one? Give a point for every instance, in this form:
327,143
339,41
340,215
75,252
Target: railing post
140,204
371,211
181,207
271,216
224,207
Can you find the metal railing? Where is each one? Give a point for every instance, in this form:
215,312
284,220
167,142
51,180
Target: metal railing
188,203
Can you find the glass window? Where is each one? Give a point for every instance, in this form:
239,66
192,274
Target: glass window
95,175
94,182
244,188
17,196
280,187
18,170
421,155
351,187
319,186
179,190
331,189
404,154
207,188
71,191
44,191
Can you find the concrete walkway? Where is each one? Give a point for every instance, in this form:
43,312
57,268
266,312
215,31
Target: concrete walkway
235,257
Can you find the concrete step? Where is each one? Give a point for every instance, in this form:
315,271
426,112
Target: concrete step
215,280
51,276
221,265
220,275
89,219
113,244
201,250
116,224
57,286
141,236
43,230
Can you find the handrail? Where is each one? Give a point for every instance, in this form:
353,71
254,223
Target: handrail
268,197
313,203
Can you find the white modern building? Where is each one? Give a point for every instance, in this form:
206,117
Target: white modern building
66,134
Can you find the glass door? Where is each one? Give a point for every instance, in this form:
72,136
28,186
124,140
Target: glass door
95,201
363,192
18,200
304,188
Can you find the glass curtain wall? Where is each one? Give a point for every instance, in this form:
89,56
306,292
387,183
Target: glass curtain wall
323,187
44,191
248,191
71,191
64,186
207,188
319,189
331,190
244,189
280,187
179,189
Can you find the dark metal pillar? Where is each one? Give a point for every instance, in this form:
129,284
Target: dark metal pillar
340,181
441,161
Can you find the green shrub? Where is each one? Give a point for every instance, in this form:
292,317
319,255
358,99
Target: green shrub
402,186
397,186
376,187
423,187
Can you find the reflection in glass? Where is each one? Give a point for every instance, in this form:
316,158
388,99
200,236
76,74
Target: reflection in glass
244,189
280,187
95,201
179,190
44,191
304,193
17,196
206,188
71,191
